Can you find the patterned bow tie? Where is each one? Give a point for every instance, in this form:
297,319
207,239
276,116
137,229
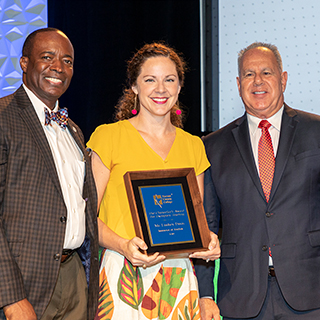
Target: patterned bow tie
60,117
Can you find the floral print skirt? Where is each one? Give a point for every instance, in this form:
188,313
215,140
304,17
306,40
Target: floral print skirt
168,290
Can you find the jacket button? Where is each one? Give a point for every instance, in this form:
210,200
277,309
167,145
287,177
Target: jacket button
63,219
264,248
56,256
268,214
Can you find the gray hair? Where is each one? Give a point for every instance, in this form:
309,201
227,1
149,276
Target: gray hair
254,45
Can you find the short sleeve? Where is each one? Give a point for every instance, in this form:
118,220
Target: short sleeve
101,143
202,162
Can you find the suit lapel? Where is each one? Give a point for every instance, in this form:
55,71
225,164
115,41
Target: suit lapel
75,134
88,179
287,133
242,138
32,123
77,138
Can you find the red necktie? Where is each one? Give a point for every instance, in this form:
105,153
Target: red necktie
266,158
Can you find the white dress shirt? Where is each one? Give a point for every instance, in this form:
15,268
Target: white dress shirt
70,166
255,134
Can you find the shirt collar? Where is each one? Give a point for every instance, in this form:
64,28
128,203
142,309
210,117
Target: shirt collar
275,121
38,104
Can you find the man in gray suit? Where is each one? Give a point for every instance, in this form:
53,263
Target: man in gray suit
264,183
48,201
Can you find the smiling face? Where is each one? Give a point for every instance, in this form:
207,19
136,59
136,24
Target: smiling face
261,84
48,70
157,86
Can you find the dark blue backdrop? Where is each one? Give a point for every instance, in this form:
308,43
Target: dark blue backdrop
106,33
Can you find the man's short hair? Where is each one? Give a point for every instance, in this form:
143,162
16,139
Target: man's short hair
28,43
254,45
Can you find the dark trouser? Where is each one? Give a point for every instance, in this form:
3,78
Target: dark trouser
69,299
276,308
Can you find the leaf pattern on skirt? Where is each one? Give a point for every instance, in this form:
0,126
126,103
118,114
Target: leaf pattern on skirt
130,285
188,307
105,303
161,296
102,251
151,300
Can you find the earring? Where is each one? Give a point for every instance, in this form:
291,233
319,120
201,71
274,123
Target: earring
178,111
134,110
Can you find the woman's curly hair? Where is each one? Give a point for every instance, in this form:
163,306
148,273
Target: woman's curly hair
127,102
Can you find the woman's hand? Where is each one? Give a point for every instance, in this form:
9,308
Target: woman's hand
214,250
132,251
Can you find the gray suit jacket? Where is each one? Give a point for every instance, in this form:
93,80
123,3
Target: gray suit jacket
32,227
289,223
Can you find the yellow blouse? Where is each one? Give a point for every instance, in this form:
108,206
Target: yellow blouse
121,148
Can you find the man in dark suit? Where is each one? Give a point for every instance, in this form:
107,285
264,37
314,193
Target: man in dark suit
264,183
48,201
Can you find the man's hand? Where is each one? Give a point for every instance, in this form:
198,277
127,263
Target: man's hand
20,310
208,309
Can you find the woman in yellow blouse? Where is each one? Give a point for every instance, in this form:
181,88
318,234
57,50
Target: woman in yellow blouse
148,136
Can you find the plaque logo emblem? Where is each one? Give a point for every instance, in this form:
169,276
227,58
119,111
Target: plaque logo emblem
158,200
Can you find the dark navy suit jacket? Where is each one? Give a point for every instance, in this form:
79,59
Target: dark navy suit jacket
289,224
